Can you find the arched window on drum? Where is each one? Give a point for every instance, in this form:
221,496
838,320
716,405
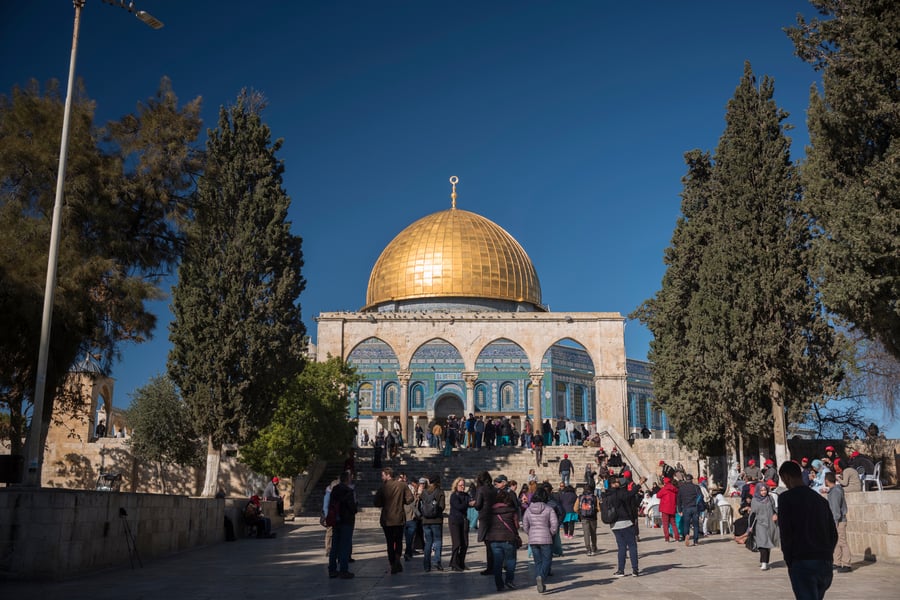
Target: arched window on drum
391,398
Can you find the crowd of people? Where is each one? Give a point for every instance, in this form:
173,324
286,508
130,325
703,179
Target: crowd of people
785,507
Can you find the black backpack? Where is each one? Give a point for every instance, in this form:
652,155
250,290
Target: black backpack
429,506
609,511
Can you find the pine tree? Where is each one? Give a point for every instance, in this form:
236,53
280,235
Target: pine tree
852,176
739,333
237,334
126,187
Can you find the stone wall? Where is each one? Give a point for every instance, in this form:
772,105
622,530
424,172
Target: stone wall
46,533
873,525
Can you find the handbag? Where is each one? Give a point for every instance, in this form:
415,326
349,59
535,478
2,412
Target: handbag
517,542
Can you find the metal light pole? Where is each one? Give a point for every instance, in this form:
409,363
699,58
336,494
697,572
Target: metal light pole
33,447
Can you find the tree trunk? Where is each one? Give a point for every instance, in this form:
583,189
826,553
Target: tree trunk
213,457
779,426
732,462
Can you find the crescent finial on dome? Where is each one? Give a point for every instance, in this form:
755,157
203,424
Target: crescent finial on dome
453,181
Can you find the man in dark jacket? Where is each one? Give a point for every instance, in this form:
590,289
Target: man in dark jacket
343,498
433,521
808,534
565,469
391,497
625,505
686,504
485,495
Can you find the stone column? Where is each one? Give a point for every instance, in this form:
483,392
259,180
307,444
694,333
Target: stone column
403,377
537,377
470,378
611,399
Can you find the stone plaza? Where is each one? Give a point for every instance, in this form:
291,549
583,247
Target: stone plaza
295,563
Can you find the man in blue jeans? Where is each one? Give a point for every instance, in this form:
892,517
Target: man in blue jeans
808,535
686,503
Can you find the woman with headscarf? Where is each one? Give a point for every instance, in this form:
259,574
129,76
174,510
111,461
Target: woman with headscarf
818,484
765,526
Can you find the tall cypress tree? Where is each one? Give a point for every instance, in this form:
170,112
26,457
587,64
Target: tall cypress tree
852,177
739,333
237,334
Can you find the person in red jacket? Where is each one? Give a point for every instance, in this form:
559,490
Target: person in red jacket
667,502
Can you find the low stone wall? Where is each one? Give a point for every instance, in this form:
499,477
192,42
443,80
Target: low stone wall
53,533
873,525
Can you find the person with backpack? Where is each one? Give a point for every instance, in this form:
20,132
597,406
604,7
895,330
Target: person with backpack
537,443
343,505
587,509
565,469
688,499
432,503
568,498
618,509
541,524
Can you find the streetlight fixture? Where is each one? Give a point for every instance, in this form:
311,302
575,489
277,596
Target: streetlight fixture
34,448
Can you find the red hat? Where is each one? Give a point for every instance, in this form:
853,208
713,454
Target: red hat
626,473
275,480
804,459
662,462
827,448
601,447
751,462
667,480
771,483
768,462
854,454
565,456
615,449
702,479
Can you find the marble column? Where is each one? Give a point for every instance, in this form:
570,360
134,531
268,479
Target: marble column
470,378
611,403
537,377
403,377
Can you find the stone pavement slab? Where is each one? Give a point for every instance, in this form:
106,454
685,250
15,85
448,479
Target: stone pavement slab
294,565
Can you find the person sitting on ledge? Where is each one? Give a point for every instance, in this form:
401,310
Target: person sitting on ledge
253,516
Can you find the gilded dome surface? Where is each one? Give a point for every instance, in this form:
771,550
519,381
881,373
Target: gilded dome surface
454,254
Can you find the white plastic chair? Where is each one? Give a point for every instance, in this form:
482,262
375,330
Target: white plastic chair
874,478
654,517
726,520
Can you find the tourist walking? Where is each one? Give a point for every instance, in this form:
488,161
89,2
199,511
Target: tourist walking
541,524
485,496
458,522
621,508
808,535
565,469
503,536
668,495
837,502
765,525
689,495
432,503
344,502
587,508
568,498
391,498
538,443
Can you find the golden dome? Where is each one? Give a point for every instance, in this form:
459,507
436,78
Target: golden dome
453,254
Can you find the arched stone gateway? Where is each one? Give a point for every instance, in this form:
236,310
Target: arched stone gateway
446,405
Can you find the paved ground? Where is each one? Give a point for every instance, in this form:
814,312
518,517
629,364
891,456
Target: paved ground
293,565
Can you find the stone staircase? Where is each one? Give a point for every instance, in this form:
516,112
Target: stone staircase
514,462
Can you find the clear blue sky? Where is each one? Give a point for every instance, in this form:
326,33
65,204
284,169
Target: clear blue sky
566,122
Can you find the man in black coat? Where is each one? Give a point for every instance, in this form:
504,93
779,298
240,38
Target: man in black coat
808,534
485,496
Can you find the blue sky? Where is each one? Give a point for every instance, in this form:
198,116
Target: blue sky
566,122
